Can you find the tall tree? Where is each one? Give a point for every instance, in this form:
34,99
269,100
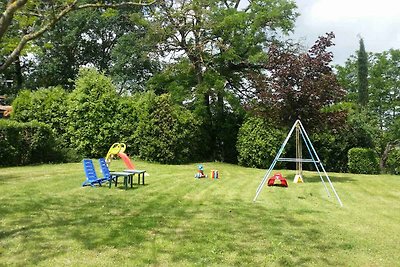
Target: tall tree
99,38
362,67
382,112
383,84
347,77
221,40
33,18
300,85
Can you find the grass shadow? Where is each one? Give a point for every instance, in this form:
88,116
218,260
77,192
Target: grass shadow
314,178
177,220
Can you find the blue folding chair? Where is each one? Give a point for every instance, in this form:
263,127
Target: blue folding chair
113,176
91,176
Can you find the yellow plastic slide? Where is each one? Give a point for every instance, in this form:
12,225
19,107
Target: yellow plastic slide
114,150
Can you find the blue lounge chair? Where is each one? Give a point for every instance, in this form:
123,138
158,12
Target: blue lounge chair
91,176
113,176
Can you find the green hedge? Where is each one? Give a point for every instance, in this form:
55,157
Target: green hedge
92,106
332,146
46,105
93,116
363,160
258,143
167,133
393,162
25,143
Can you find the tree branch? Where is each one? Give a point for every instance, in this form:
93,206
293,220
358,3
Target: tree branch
237,4
123,4
8,14
226,4
34,35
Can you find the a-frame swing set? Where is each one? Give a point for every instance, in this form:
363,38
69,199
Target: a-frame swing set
300,132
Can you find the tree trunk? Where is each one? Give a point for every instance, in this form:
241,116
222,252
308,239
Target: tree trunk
18,74
219,122
389,147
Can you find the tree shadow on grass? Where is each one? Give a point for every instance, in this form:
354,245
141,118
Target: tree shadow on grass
255,234
7,178
186,231
314,178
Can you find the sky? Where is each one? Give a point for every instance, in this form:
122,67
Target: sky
377,22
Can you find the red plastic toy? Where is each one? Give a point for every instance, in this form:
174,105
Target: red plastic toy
277,180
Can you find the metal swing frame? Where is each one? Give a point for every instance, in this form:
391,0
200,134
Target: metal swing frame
314,159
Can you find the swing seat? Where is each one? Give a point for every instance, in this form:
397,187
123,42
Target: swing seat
277,180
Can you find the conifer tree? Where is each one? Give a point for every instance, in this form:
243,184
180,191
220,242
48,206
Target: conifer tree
362,74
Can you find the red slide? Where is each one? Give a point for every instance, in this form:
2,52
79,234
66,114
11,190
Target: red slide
126,160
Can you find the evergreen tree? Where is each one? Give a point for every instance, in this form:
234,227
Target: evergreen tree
362,65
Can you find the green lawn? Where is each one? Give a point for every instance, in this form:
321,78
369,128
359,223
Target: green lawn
47,218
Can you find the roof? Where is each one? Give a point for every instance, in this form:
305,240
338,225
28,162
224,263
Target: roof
6,110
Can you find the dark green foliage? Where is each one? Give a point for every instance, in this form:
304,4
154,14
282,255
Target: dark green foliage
167,133
131,63
362,66
393,162
91,110
332,146
84,37
227,133
347,78
383,84
258,143
381,113
127,119
44,105
25,143
93,117
363,160
215,55
176,79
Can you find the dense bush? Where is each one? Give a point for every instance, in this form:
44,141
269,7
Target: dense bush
166,133
258,143
26,143
44,105
363,160
92,107
129,111
332,146
393,161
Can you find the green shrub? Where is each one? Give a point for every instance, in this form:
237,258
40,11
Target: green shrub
166,133
332,146
26,143
258,143
363,160
92,107
393,161
127,116
44,105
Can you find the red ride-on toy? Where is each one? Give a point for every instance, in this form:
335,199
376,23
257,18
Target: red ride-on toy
277,180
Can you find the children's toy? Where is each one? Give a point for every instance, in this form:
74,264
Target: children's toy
131,168
114,150
214,174
299,159
277,180
298,178
200,172
118,149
